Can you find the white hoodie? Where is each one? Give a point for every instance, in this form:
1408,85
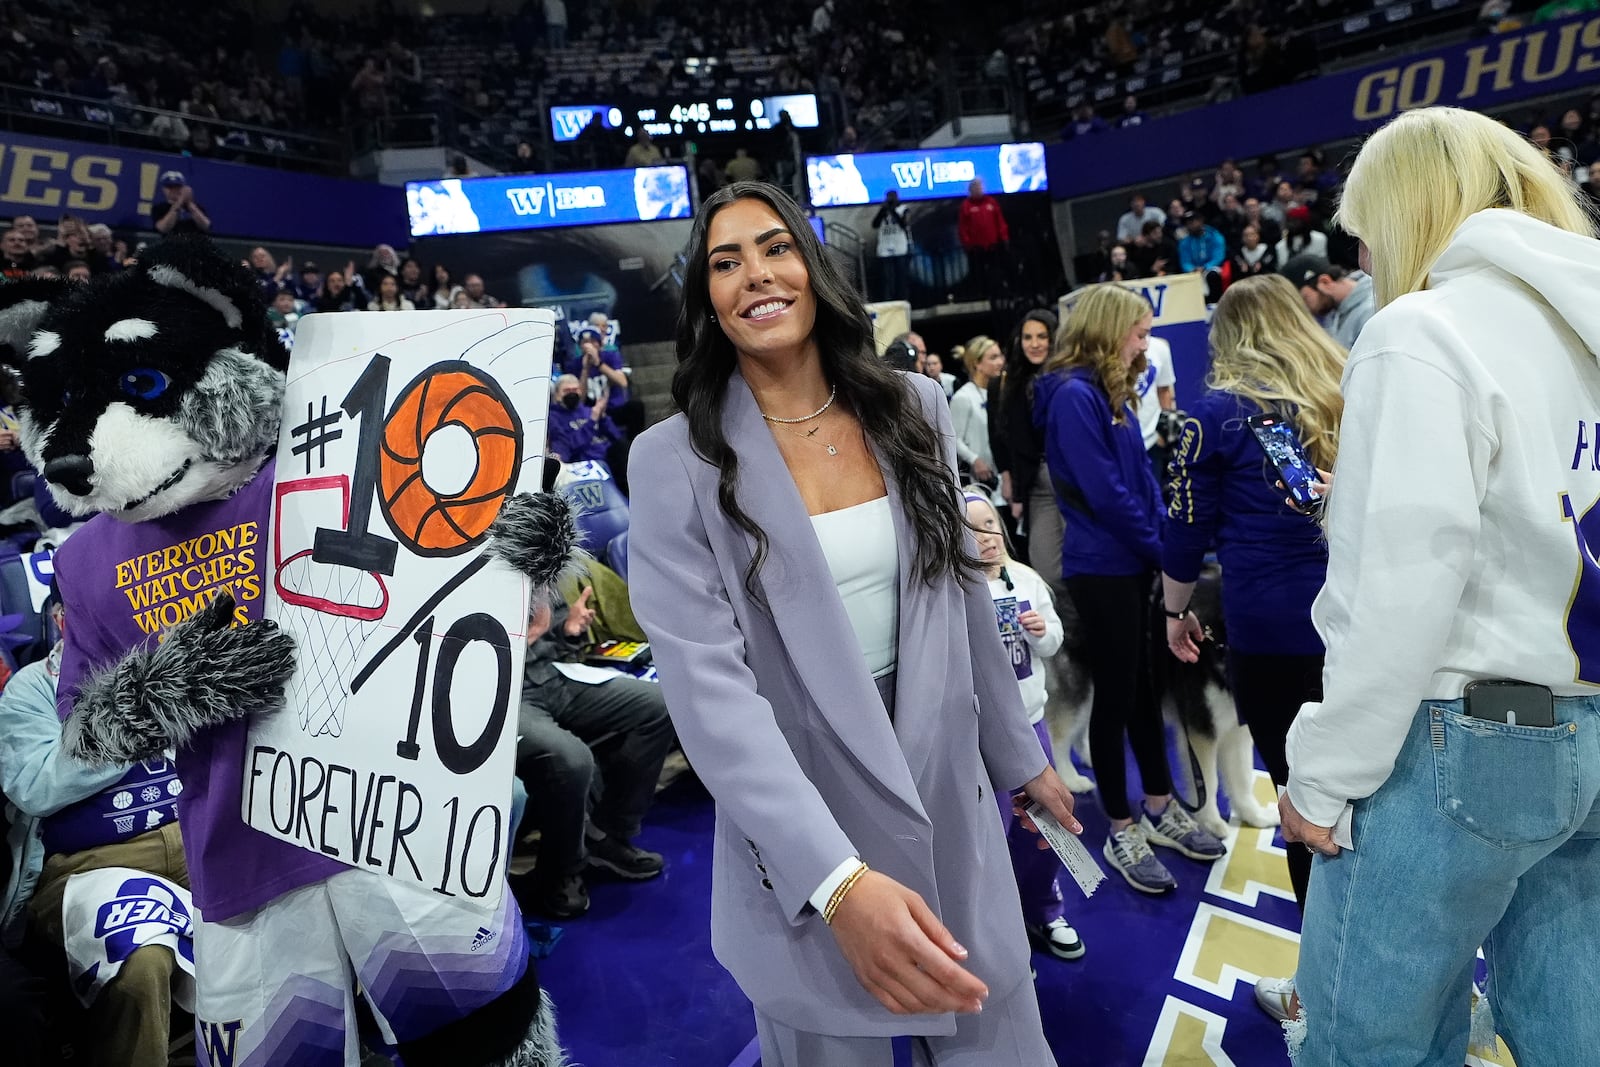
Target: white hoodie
1472,416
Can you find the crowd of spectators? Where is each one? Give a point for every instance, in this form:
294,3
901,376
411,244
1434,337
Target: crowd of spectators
1233,223
867,62
1227,224
1237,47
219,83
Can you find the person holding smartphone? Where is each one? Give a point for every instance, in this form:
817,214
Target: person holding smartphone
1462,534
1268,358
1084,400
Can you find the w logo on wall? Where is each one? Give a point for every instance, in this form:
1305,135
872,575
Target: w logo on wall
570,121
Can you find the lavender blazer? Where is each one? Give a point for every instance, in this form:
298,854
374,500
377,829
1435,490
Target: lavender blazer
781,719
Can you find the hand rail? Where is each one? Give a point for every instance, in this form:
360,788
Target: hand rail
129,125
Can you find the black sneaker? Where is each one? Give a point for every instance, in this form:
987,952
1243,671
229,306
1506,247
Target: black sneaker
616,857
565,897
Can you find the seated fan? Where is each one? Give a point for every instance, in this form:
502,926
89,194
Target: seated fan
600,507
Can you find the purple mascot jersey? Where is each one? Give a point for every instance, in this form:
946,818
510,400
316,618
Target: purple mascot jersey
125,584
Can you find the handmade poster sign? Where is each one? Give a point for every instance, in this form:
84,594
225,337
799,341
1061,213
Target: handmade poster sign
403,436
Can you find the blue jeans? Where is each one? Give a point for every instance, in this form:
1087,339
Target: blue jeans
1486,835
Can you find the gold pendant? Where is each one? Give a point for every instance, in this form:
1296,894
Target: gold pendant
832,451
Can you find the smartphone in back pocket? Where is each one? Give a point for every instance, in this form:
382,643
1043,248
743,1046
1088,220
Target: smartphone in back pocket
1513,703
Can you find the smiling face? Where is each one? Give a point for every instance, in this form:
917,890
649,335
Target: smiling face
759,285
1137,341
1035,341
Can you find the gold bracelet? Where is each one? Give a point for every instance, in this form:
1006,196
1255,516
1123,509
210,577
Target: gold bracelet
838,894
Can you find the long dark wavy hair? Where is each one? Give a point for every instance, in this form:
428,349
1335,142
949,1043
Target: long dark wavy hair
1018,372
880,397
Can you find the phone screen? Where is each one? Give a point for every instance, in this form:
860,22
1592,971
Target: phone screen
1277,439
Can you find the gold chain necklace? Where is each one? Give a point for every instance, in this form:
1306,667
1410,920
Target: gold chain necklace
808,435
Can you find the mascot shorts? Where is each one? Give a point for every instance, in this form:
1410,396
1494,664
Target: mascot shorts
277,985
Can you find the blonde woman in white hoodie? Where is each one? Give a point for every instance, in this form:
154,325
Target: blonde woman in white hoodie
1463,533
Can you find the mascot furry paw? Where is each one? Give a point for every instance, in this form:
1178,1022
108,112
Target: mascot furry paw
152,401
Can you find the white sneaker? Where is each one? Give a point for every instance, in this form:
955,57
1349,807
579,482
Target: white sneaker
1059,938
1275,995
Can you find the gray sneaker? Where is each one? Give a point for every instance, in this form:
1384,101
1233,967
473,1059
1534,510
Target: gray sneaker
1177,830
1130,854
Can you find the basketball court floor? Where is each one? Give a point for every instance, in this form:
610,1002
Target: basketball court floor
1166,982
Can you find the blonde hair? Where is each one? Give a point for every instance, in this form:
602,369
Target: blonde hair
1266,347
977,494
971,354
1098,322
1425,173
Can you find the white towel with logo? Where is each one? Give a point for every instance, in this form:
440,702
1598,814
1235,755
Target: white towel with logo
109,913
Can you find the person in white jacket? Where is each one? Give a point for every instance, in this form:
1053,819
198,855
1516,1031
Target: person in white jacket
1462,529
969,407
1026,614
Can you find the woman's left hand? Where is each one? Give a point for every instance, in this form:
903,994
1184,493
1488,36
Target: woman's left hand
1051,794
1184,636
1033,622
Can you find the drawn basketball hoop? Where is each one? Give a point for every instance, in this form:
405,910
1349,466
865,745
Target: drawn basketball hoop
325,606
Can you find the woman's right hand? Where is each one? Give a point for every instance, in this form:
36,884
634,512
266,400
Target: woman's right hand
1319,489
901,953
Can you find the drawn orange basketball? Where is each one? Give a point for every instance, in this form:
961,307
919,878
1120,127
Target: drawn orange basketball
484,438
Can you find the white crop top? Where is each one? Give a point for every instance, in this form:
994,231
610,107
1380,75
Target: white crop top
864,559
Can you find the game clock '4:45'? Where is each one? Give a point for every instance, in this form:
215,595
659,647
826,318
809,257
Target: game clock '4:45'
700,112
389,466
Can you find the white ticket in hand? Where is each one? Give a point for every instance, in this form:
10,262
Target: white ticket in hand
1077,858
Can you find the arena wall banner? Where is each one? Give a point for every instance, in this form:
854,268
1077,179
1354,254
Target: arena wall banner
395,752
47,178
890,319
1178,303
1550,57
925,173
536,201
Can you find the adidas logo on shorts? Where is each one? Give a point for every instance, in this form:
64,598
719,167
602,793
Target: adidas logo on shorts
485,937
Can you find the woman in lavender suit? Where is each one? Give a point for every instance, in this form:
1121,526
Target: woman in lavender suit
826,642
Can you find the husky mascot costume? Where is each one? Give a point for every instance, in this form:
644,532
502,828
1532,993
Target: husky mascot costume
151,399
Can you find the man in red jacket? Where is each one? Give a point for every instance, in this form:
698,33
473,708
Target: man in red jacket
985,238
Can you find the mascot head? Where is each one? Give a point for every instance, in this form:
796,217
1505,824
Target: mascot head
152,389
